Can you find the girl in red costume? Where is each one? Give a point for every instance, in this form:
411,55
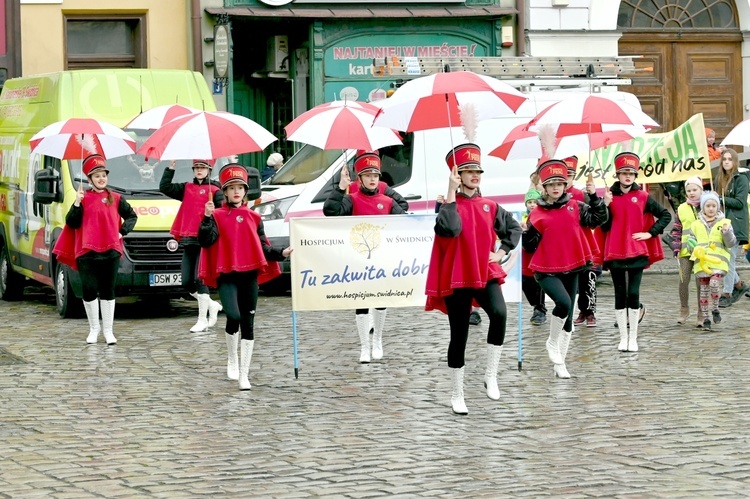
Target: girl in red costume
193,196
91,242
557,237
369,197
465,266
632,244
235,259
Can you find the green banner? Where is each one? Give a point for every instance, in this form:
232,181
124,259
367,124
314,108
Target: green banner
665,157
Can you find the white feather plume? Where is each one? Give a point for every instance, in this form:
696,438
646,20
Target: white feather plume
469,120
548,140
87,142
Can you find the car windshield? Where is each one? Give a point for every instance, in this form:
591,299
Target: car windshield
305,166
134,173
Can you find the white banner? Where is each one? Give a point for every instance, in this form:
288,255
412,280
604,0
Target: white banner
343,263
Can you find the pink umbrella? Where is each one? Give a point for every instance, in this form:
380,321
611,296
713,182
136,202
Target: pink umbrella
157,117
206,135
341,125
433,101
521,143
77,138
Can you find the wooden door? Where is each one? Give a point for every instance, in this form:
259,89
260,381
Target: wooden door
678,77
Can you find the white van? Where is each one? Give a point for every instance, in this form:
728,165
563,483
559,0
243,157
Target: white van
417,170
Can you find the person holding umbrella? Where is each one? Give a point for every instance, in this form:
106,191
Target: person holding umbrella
91,242
193,197
370,196
235,258
465,266
556,236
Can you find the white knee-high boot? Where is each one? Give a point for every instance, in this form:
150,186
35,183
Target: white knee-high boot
214,307
561,371
108,319
377,335
457,397
555,329
246,355
92,314
633,314
490,374
202,323
622,324
363,329
233,369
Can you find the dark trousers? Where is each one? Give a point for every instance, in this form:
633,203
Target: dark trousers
459,308
533,292
190,258
562,289
627,283
98,276
238,292
587,291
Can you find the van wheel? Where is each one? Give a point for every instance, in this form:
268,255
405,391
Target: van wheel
68,306
11,283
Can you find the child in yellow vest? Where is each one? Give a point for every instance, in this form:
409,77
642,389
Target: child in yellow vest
711,237
687,213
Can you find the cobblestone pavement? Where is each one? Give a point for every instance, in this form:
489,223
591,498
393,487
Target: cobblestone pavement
155,416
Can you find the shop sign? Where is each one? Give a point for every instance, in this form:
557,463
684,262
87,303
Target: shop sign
221,51
353,57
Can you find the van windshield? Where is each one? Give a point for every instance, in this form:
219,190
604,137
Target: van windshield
305,166
135,174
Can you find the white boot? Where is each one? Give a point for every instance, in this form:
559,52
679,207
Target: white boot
92,314
363,329
202,323
108,319
622,323
490,373
457,398
233,369
555,328
633,315
214,307
377,335
560,370
246,355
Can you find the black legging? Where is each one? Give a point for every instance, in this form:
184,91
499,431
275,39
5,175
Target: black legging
627,292
98,276
190,257
533,293
238,292
587,291
459,308
561,288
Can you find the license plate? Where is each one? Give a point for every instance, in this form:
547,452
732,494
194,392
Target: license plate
170,279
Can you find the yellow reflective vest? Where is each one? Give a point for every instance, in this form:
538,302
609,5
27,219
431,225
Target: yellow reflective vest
713,243
687,214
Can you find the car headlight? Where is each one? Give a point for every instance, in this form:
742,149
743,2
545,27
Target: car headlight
274,210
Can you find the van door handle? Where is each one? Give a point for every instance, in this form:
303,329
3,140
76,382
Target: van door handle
412,197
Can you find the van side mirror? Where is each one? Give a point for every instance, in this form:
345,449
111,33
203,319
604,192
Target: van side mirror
253,183
47,187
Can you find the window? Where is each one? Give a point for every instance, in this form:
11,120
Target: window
676,14
105,42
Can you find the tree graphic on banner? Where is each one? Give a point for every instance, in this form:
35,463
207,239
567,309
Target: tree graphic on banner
365,238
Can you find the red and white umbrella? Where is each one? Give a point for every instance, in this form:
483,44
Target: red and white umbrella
587,114
206,135
433,101
77,138
521,143
157,117
341,125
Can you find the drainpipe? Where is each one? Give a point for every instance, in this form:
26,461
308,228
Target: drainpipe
521,27
195,21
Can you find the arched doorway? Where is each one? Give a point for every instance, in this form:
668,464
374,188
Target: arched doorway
690,60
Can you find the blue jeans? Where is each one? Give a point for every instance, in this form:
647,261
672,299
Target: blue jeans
732,277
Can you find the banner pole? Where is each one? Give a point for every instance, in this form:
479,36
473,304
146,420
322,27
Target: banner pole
294,344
